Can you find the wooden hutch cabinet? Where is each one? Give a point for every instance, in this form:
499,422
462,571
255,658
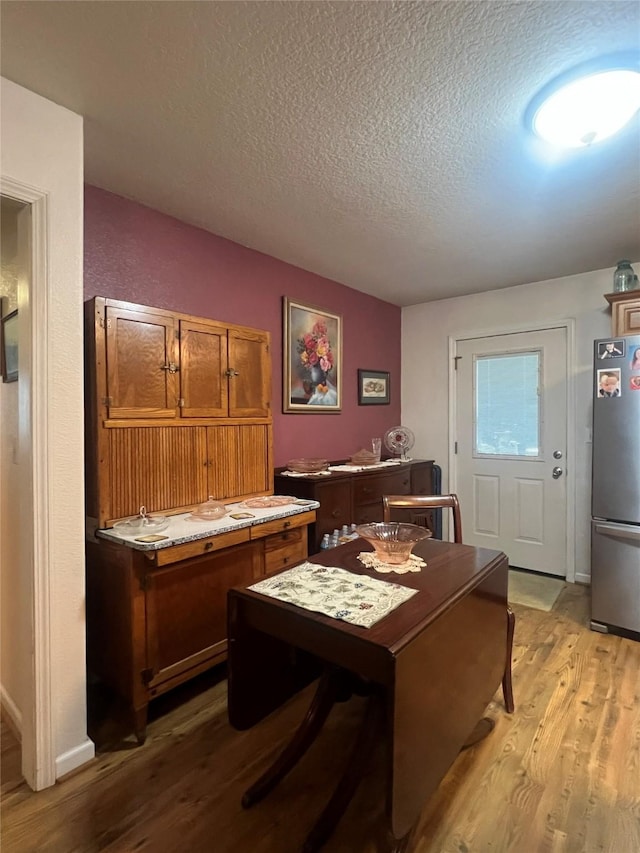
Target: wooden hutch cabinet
625,312
155,619
178,408
162,365
355,497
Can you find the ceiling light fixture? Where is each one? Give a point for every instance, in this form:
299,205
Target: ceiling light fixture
582,110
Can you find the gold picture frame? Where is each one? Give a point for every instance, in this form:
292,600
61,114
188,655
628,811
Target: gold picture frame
312,359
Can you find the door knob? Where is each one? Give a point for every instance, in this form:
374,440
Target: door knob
557,472
557,454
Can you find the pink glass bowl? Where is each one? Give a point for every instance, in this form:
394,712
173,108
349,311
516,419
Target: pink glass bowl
393,541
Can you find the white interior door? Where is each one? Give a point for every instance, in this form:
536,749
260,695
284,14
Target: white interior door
511,431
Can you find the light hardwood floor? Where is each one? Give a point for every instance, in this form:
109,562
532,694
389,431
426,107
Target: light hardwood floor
562,775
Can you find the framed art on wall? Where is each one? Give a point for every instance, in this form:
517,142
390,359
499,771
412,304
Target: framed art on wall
9,347
373,388
312,359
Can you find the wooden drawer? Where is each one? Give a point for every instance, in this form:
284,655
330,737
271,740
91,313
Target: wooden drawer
285,553
368,513
283,540
281,525
370,488
201,546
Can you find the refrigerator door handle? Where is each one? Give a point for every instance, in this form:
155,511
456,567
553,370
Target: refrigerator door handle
620,531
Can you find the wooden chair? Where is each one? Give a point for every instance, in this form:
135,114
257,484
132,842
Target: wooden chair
419,507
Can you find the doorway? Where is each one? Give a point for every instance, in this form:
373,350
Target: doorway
511,431
14,274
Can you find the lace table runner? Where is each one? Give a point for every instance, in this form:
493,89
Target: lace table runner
357,599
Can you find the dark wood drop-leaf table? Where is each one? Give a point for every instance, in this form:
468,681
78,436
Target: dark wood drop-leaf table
430,668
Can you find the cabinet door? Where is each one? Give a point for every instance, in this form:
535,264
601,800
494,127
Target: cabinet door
187,609
334,511
249,374
203,366
142,364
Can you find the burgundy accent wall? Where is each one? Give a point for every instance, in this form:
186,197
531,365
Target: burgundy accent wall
139,255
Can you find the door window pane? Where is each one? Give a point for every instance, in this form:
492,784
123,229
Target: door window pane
507,405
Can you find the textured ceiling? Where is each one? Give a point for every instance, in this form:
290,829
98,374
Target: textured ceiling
379,144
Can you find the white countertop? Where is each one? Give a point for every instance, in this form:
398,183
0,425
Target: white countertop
185,528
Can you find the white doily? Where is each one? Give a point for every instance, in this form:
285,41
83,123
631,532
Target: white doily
413,564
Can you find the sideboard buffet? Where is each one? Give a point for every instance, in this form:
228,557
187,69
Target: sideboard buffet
348,496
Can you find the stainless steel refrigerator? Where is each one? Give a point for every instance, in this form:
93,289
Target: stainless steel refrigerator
615,496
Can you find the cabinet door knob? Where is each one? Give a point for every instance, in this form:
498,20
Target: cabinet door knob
335,513
208,546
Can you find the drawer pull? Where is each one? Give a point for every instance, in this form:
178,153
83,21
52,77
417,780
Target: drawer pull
208,546
287,524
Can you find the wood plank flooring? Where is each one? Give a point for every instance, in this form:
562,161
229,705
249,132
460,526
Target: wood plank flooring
562,775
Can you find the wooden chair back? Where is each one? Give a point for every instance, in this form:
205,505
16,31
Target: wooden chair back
418,505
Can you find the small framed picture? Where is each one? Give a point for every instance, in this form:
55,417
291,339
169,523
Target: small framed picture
611,349
9,347
373,388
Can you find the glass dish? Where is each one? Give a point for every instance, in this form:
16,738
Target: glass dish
143,523
268,501
393,541
365,457
307,466
210,510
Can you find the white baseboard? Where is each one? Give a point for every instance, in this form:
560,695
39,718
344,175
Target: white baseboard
12,711
582,577
75,758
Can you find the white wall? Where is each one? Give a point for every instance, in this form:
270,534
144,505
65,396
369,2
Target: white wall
425,366
42,161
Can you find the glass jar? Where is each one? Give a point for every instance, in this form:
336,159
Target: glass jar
623,277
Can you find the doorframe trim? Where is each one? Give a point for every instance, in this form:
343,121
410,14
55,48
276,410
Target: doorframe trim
38,759
568,325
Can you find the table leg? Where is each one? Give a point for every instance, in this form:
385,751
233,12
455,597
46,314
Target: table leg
354,770
507,686
482,728
322,703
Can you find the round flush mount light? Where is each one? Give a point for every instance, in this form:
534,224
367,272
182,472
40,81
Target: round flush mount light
585,109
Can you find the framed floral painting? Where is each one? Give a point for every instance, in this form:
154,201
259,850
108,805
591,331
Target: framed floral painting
312,356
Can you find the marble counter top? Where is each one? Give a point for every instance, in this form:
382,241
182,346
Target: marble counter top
185,528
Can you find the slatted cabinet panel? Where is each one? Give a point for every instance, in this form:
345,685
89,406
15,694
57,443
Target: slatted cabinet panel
239,460
159,467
